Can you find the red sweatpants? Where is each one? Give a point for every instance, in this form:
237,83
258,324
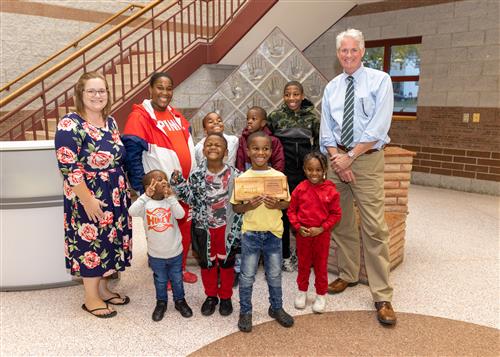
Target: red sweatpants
313,252
185,228
209,276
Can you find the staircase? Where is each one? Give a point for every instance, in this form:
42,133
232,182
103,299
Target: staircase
177,37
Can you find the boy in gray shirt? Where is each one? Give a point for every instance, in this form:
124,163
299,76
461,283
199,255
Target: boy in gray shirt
160,210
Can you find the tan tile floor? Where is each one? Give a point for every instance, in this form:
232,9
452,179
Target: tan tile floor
451,269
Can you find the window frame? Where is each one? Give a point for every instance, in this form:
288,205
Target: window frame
387,44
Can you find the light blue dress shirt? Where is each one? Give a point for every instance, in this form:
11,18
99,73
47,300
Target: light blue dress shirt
373,108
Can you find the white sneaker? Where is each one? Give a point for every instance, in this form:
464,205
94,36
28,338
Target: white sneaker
300,300
319,304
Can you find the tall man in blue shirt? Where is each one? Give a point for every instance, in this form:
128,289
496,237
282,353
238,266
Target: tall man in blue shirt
356,115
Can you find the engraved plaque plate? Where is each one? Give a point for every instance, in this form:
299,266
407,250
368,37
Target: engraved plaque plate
246,188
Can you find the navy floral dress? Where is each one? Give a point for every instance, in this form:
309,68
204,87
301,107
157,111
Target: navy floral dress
94,155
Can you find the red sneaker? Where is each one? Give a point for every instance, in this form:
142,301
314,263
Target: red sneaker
189,277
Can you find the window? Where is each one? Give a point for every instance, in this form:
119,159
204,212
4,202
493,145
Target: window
401,59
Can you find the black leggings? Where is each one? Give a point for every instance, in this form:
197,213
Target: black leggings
293,180
285,239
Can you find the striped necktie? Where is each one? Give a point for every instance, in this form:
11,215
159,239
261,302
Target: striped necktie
347,135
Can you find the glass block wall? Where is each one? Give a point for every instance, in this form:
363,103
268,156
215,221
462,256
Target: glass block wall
260,81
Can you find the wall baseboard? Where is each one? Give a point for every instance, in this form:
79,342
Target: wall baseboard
456,183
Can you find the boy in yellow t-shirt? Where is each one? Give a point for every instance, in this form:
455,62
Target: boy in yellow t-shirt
261,234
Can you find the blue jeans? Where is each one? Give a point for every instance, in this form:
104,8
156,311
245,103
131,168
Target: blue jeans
237,263
165,270
253,244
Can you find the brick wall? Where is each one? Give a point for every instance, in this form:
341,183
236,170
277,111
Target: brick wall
481,165
445,145
460,57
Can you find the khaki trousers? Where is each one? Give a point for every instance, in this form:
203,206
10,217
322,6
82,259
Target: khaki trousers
368,192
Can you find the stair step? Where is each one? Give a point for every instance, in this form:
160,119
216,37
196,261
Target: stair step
118,89
127,70
40,135
63,111
142,61
126,78
51,124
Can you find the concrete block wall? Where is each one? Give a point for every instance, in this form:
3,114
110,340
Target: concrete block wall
460,50
195,90
460,74
28,40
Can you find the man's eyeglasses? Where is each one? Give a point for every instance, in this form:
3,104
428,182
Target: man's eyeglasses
94,92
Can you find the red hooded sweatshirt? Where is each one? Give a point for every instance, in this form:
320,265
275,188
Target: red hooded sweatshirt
315,205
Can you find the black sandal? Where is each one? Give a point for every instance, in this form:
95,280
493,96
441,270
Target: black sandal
125,299
101,316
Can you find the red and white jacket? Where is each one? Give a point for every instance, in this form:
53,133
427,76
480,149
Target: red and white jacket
148,145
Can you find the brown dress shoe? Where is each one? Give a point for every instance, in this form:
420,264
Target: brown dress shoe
339,285
385,313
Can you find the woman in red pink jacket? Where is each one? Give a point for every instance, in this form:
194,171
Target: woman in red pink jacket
158,137
314,210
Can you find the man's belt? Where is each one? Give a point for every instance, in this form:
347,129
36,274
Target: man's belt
343,148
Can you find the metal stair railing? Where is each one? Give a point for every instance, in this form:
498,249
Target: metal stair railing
127,62
73,44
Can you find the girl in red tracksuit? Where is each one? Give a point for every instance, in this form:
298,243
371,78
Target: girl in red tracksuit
314,210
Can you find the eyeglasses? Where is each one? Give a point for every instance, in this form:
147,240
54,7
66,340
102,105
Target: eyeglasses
94,92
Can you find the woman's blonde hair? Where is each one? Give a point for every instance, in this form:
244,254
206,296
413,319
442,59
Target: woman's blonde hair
80,86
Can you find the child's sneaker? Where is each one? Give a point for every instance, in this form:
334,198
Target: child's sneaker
287,265
300,300
226,307
283,318
245,322
319,304
189,277
208,307
182,306
159,311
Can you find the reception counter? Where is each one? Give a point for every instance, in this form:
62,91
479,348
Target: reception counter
31,217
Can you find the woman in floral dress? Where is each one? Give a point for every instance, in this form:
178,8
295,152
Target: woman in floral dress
98,229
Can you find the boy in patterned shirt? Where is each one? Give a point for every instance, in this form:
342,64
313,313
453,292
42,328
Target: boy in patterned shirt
216,227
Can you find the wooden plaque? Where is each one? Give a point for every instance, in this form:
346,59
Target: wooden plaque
246,188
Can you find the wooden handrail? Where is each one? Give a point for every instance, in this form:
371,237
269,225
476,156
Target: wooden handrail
77,54
72,44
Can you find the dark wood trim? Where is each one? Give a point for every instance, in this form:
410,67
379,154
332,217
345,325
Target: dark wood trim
394,42
405,78
387,57
387,44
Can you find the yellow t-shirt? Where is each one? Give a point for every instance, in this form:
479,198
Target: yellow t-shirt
262,219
